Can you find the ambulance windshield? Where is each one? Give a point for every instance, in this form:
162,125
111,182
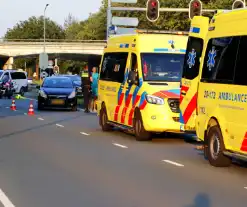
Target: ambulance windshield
162,66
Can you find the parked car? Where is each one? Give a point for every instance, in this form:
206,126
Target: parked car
76,79
58,92
19,79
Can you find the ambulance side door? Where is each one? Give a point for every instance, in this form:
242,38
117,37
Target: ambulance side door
130,92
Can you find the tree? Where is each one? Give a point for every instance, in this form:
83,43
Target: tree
33,28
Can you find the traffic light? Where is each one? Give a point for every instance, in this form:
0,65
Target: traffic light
238,4
153,7
195,8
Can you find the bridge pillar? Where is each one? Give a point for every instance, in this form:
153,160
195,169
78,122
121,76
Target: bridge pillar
93,61
9,63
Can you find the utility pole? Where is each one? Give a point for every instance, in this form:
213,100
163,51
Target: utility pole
109,17
44,24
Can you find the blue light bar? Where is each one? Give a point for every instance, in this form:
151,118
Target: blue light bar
161,50
169,50
195,30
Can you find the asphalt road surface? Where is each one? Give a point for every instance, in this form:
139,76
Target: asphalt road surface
63,159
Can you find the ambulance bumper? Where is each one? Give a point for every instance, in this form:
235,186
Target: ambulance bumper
162,121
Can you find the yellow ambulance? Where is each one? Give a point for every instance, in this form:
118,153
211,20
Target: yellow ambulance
139,84
190,74
220,86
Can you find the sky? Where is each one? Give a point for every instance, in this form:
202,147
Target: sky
13,11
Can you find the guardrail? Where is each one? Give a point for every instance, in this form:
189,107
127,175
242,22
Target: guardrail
3,40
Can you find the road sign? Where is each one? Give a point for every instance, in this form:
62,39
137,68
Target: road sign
50,63
43,60
44,74
124,1
125,21
122,30
113,29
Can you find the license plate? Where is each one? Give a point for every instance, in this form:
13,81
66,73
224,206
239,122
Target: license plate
57,102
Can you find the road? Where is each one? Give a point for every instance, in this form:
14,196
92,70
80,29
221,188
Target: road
62,158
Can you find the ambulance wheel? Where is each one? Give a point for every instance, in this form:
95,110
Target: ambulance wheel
215,147
103,119
140,133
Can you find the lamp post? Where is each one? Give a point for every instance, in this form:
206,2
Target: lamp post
44,24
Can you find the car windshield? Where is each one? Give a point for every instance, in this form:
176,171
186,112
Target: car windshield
57,83
162,66
74,78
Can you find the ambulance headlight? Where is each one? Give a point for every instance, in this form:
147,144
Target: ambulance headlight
154,100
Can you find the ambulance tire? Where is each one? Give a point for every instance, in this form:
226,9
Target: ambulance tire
103,119
215,148
140,133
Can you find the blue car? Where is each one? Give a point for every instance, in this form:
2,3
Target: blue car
57,92
76,79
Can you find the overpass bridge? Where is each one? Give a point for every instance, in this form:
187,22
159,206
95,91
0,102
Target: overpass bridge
64,49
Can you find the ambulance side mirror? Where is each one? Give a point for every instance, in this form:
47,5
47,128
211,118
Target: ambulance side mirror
132,77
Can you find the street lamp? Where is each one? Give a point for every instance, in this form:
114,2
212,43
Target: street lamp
44,24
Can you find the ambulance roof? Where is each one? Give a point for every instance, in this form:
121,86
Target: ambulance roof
229,23
148,43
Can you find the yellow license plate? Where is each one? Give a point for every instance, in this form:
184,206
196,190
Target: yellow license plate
57,102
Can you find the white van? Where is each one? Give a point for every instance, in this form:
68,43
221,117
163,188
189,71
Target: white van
19,79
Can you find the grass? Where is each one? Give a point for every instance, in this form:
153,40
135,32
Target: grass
38,82
80,101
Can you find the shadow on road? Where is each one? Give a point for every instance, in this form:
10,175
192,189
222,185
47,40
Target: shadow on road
38,127
201,200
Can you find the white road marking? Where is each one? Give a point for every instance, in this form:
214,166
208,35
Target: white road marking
41,119
5,200
7,107
173,163
119,145
59,125
25,113
245,188
31,99
83,133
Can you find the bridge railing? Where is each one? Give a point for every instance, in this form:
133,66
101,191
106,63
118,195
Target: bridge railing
51,41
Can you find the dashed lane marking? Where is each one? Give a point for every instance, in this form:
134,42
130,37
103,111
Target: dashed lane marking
173,163
25,113
59,125
5,200
83,133
120,145
7,107
41,119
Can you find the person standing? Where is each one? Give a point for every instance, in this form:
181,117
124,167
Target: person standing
85,82
94,86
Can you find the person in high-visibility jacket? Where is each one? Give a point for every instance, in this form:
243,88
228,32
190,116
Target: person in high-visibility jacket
85,82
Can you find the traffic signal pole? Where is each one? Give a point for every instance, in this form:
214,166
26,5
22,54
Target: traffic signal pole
162,9
110,9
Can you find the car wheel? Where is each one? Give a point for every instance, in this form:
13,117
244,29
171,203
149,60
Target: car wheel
22,91
140,133
215,147
40,107
103,120
74,108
